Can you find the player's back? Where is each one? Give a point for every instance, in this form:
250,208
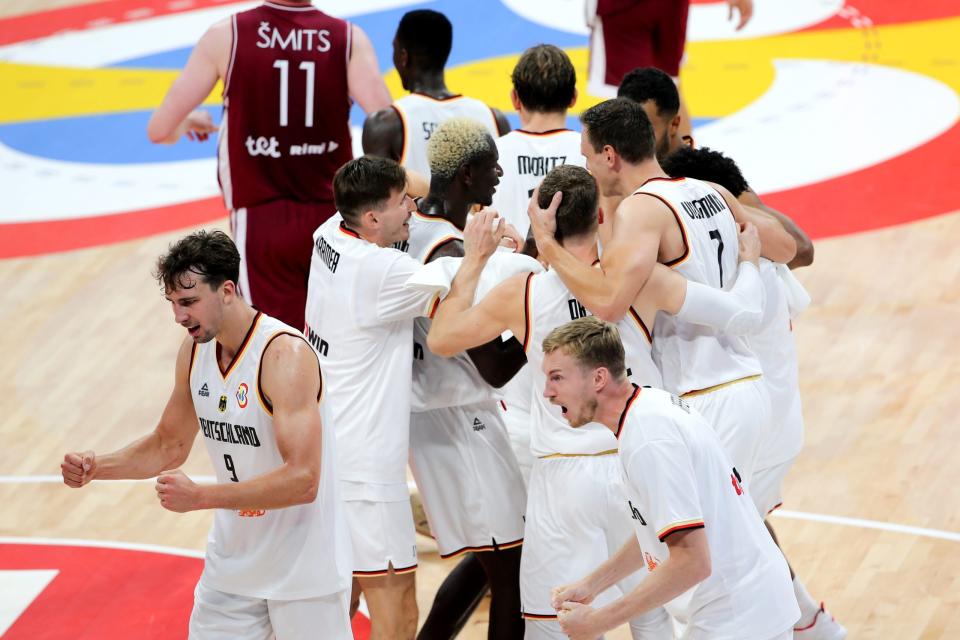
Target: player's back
421,114
366,355
300,551
548,305
285,127
695,357
525,158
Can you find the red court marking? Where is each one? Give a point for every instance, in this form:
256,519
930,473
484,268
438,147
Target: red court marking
35,238
910,187
110,594
47,23
885,12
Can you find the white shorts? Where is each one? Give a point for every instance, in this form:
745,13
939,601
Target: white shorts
468,478
383,536
740,414
517,422
766,490
225,616
577,517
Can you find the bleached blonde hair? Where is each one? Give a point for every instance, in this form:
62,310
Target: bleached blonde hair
455,143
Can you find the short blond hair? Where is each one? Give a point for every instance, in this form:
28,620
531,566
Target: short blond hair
592,342
455,143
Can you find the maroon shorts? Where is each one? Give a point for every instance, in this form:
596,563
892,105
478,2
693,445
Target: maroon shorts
275,242
642,33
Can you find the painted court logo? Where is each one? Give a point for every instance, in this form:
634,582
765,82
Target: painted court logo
242,395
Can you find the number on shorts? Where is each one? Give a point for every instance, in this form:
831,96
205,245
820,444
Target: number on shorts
228,461
715,234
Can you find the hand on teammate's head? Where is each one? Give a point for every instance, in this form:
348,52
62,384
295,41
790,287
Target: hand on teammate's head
750,246
543,222
78,468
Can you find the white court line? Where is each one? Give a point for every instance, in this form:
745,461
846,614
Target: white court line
780,513
105,544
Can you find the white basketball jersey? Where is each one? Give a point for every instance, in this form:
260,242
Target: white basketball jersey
360,320
693,357
439,382
292,553
677,477
549,304
774,345
526,158
421,114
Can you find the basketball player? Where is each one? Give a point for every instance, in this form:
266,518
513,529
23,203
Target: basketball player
685,224
360,320
401,132
277,562
774,345
460,453
289,72
714,566
574,520
625,34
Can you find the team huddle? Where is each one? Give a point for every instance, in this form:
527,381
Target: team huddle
580,344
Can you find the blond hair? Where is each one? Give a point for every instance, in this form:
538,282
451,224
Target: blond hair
455,143
592,342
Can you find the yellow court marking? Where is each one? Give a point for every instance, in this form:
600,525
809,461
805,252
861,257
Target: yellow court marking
34,92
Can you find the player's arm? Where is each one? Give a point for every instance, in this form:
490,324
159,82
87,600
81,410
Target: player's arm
364,82
804,257
687,566
738,311
778,243
458,326
496,361
383,134
178,113
290,379
625,265
620,565
166,447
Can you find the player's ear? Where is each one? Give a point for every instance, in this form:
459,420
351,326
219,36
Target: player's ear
675,124
515,100
229,288
573,100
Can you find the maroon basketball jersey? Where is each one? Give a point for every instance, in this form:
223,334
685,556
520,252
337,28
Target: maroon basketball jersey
285,130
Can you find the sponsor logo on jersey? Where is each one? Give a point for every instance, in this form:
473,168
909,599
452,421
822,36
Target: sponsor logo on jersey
680,403
635,514
319,345
223,404
313,149
242,395
251,513
204,391
735,481
262,146
652,561
478,425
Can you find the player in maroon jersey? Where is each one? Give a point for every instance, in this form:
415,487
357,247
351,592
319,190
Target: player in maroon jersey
289,72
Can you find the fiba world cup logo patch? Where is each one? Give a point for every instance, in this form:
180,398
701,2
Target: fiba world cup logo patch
242,395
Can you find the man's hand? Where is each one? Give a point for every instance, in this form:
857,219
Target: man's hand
78,468
578,591
543,222
575,621
199,125
512,238
177,492
744,8
749,243
482,235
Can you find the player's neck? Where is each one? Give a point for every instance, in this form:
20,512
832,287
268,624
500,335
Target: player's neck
583,248
431,83
632,176
611,402
450,204
237,320
541,122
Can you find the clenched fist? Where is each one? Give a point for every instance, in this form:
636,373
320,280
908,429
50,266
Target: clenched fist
78,468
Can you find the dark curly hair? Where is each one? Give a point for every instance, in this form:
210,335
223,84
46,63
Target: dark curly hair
212,255
706,164
650,83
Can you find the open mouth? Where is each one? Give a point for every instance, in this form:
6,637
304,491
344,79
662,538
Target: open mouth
563,410
194,331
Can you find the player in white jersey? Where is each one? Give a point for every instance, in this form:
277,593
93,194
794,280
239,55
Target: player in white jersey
278,555
574,519
544,87
460,454
713,565
685,226
401,132
774,345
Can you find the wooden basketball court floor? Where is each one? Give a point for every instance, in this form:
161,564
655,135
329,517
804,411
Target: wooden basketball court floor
871,518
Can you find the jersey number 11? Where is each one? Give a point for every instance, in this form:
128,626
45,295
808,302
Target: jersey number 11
310,68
